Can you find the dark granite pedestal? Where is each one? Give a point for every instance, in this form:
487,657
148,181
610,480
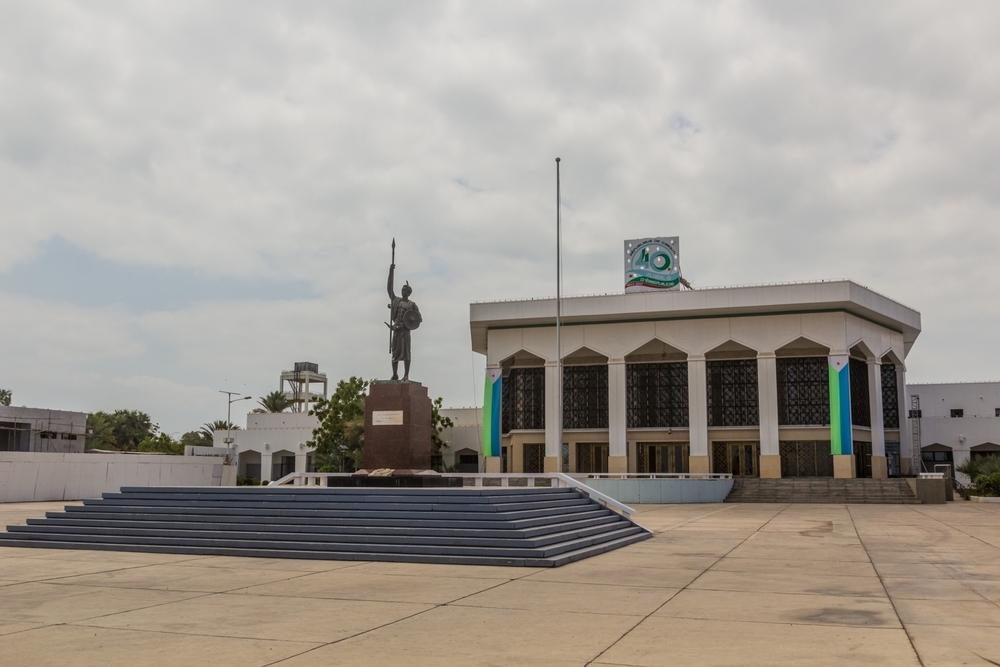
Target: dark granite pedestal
397,426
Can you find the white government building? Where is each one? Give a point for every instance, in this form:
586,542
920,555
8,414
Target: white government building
730,380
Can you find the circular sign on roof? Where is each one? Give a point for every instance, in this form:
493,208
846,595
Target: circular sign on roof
652,264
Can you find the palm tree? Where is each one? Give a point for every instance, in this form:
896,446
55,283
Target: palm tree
276,401
208,430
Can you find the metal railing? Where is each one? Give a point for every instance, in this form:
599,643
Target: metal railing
554,480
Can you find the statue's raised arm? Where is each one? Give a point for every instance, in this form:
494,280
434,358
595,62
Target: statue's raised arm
392,270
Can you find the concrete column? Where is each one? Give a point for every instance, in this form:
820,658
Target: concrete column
552,445
767,391
698,414
880,467
617,417
265,466
300,461
905,434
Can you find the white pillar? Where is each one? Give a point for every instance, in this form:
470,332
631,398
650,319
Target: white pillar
767,401
880,466
905,434
617,417
698,414
300,461
265,466
553,447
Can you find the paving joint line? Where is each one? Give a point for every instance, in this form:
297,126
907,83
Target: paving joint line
684,588
892,602
398,620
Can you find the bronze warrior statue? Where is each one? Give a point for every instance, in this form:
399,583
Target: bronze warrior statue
404,316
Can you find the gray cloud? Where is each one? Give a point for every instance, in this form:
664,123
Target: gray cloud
275,149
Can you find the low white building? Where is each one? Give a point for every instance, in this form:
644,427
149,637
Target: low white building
954,421
464,440
272,445
41,430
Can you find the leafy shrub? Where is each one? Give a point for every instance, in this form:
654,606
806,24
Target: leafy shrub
988,485
977,466
247,481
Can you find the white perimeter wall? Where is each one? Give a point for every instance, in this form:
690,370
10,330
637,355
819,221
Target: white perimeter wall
37,476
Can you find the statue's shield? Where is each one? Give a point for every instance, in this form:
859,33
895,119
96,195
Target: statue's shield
411,319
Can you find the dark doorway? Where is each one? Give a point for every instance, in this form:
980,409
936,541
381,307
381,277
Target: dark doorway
663,458
503,460
592,457
892,459
534,457
468,463
736,458
863,459
810,458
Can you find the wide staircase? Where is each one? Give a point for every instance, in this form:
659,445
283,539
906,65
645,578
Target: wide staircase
528,526
821,490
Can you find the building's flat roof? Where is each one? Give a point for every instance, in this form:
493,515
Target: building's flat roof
839,295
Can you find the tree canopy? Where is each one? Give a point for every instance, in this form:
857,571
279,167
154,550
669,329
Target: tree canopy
5,396
122,430
340,437
276,401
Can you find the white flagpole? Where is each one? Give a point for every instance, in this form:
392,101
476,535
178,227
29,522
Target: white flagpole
559,365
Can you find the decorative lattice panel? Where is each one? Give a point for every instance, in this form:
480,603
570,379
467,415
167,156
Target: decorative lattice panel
861,411
732,393
806,459
534,458
890,397
657,395
585,397
803,391
522,401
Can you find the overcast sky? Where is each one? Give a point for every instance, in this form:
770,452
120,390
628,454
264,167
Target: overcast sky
195,195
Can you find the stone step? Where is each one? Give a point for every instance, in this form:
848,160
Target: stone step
541,527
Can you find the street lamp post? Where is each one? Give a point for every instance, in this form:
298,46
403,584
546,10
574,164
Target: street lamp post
229,413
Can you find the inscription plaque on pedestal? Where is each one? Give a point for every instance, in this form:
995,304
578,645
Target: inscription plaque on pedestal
397,426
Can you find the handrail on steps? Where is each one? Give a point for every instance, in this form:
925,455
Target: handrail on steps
558,480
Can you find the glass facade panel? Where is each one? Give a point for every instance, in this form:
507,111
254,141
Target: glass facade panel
732,392
522,400
803,391
657,395
585,397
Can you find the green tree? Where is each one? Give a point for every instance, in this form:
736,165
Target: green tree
208,430
340,437
100,431
276,401
5,396
195,439
438,424
160,444
122,430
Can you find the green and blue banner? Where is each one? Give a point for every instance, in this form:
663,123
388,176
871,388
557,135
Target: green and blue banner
491,412
840,405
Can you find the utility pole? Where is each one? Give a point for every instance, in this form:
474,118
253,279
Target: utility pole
229,415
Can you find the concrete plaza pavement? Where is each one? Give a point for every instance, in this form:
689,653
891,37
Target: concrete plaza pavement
717,585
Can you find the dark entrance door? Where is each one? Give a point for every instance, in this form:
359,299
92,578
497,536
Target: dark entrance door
534,457
670,458
863,459
592,457
737,458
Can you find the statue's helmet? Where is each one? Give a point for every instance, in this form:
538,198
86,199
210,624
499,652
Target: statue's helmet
407,290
